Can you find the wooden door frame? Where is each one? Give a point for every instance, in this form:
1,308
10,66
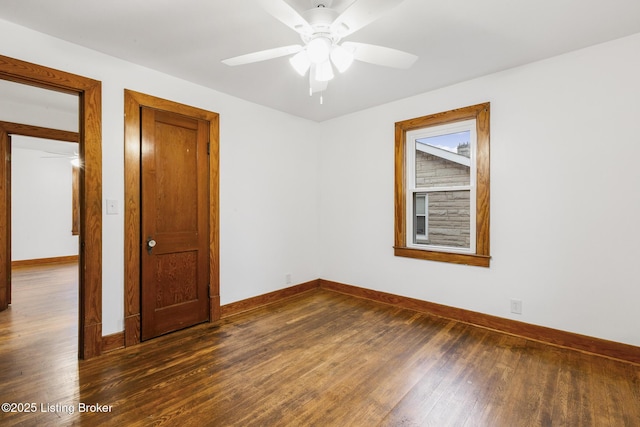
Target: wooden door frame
133,101
5,220
20,129
89,93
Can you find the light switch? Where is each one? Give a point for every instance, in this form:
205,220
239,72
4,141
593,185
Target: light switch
112,207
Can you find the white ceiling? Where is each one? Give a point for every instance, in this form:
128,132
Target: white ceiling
455,40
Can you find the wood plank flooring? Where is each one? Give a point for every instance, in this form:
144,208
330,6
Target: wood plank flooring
318,359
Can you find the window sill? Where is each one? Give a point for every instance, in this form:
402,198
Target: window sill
456,258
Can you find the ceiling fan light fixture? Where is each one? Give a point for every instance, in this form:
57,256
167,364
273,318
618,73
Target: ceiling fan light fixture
321,28
324,71
342,58
319,49
300,62
342,29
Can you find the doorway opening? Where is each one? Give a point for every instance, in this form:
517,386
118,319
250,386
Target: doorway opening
44,233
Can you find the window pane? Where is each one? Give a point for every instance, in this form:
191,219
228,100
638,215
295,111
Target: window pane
443,161
420,217
457,142
420,225
420,205
448,219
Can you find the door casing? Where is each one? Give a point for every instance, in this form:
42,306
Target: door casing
132,207
89,93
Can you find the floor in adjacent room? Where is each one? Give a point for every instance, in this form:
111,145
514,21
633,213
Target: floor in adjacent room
318,359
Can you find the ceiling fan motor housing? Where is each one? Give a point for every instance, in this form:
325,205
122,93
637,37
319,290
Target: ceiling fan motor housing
321,3
320,19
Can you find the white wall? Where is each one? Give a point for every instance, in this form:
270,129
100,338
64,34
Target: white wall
564,199
41,205
565,204
269,212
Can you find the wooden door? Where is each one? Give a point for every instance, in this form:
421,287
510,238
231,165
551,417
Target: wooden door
5,219
174,222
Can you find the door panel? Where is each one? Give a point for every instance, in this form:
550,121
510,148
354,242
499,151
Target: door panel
175,222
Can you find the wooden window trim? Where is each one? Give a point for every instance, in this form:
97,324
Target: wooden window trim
481,113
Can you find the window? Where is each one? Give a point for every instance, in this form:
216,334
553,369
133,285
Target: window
442,186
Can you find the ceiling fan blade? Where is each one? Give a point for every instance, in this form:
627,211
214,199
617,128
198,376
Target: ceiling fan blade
380,55
263,55
59,154
283,12
361,13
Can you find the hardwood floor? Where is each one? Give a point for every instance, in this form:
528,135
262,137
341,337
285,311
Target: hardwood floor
318,359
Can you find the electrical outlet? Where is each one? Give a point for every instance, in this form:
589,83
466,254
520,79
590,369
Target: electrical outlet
287,278
516,306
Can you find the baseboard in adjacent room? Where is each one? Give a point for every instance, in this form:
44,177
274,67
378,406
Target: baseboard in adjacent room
41,261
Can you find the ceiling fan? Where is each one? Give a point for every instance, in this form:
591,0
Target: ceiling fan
322,29
73,158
